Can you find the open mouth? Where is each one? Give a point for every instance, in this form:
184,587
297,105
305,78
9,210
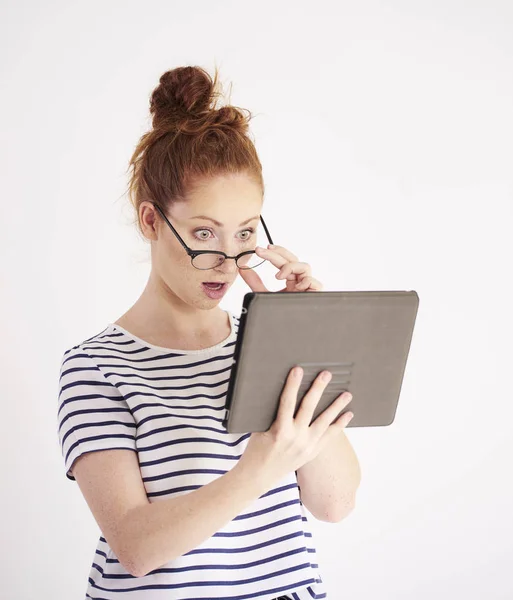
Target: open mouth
214,286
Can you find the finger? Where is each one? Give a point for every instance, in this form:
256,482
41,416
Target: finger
304,284
273,257
293,270
288,398
344,419
291,257
329,415
333,430
252,278
311,399
309,284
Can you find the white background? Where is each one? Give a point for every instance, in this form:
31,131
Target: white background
385,130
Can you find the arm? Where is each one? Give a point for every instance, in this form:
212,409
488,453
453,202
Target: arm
329,482
161,531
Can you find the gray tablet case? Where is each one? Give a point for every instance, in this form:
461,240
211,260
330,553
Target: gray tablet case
363,338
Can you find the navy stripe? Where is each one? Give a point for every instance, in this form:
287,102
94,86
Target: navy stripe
116,392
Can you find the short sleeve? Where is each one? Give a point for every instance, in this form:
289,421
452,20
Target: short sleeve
92,413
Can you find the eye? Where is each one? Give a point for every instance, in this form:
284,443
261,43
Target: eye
250,231
203,237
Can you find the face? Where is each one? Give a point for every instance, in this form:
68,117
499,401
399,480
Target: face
230,200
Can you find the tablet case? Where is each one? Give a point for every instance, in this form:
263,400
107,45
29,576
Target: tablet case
363,338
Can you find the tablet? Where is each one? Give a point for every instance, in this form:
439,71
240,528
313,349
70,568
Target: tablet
362,338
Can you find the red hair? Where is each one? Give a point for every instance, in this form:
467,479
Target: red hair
190,142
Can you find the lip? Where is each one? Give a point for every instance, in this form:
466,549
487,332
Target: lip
215,294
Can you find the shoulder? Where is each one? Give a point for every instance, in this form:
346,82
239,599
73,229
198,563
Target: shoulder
82,355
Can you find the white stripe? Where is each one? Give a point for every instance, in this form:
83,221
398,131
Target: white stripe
116,391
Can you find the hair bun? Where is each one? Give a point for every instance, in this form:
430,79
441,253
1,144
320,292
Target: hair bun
191,141
182,93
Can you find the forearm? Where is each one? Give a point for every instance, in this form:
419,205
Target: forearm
161,531
329,482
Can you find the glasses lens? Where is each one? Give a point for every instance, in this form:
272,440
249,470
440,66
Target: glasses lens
207,261
211,261
249,261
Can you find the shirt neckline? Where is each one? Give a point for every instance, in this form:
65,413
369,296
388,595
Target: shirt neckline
231,337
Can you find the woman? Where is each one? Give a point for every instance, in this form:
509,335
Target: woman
141,403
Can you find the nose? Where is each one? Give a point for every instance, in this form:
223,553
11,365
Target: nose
228,266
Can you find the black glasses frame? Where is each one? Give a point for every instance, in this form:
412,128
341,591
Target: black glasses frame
194,253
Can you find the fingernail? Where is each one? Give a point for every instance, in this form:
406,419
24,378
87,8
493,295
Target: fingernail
326,376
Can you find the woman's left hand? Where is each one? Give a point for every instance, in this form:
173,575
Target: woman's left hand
297,274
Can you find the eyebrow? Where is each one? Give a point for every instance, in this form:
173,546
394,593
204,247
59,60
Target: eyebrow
220,224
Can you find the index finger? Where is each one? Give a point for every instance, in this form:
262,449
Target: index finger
290,256
288,398
273,257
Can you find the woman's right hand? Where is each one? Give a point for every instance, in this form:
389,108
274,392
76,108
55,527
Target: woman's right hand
291,441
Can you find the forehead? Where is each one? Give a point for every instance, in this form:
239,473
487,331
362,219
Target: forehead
231,201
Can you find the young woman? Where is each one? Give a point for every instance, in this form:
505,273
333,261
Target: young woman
187,510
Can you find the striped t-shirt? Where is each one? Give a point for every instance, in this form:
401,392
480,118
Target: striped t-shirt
118,391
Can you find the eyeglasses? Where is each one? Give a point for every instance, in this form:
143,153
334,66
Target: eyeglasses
210,259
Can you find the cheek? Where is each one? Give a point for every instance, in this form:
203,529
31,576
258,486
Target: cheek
174,253
174,263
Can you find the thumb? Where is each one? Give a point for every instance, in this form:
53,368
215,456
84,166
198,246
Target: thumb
252,278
